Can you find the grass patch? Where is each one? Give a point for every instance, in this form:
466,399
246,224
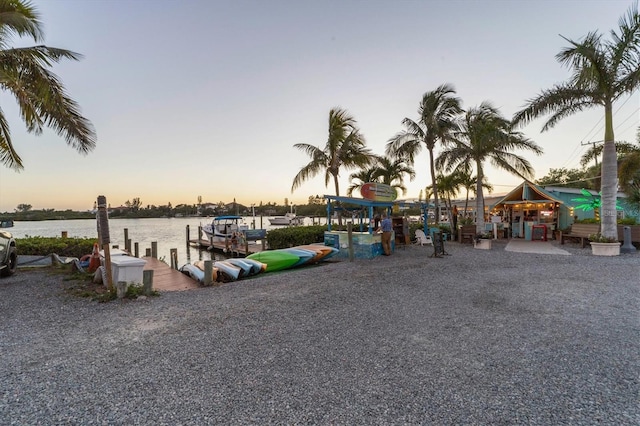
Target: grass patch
80,284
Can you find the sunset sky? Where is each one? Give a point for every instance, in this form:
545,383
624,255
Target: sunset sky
207,98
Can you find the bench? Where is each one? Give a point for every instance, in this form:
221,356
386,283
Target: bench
580,231
467,233
635,233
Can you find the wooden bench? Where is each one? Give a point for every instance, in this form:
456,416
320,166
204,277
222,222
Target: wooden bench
580,231
635,233
466,233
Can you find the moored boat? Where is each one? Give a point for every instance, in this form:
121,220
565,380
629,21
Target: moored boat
222,228
286,220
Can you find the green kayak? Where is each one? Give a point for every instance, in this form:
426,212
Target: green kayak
276,260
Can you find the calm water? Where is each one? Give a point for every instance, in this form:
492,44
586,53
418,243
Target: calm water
168,233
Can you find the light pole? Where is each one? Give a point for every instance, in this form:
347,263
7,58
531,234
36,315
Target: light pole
253,214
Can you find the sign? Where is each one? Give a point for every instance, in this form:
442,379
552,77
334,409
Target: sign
332,240
378,192
438,245
255,234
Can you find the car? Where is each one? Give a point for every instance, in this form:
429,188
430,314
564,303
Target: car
8,254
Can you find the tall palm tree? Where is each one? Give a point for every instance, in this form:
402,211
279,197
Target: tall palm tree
437,121
485,135
41,97
345,147
602,72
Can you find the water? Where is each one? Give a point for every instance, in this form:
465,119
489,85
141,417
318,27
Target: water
169,233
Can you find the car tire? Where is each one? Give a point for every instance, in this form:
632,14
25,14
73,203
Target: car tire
12,264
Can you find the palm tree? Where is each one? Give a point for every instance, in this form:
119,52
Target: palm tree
602,72
41,97
345,147
485,135
448,187
468,182
384,170
391,171
437,121
359,178
629,172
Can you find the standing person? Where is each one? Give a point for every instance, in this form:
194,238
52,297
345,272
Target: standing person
386,228
454,231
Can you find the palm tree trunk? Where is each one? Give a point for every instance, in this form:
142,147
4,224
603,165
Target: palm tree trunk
337,186
479,200
435,186
609,182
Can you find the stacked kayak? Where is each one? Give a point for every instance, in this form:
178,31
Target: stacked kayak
265,261
286,258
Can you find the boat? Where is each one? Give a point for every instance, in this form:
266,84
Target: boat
6,223
286,220
222,228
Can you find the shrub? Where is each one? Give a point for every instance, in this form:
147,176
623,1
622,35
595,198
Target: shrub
67,247
599,238
627,221
295,236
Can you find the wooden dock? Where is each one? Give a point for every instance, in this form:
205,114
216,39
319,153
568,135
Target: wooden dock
167,279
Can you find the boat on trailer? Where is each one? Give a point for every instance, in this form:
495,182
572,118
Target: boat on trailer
222,228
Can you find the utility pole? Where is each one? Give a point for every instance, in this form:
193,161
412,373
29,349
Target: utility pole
595,157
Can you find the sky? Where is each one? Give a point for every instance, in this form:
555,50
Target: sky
207,98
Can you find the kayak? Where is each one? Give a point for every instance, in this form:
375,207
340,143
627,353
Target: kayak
304,255
276,260
256,267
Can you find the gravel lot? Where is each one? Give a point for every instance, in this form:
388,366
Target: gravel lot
476,337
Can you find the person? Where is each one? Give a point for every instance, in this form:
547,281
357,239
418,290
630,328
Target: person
234,243
386,228
454,231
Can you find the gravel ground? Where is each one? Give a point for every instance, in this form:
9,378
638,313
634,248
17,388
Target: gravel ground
475,337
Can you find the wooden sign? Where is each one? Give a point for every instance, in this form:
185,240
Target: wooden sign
438,245
378,192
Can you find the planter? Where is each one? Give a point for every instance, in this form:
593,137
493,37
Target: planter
482,244
605,249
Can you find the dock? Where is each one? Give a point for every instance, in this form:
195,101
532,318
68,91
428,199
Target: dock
167,279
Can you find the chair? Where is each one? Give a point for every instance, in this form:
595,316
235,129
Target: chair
423,239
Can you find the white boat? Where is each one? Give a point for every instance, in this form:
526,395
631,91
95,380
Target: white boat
287,219
222,228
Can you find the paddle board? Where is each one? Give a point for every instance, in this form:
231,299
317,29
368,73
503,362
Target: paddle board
378,192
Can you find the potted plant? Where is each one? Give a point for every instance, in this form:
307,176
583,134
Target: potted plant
483,241
604,246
